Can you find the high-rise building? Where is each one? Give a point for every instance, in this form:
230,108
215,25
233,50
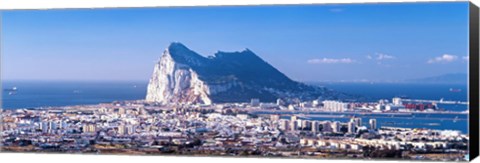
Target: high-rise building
315,126
89,128
373,124
44,126
63,124
284,124
358,121
293,125
336,126
351,127
327,127
52,125
306,124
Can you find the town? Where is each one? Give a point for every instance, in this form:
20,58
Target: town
229,129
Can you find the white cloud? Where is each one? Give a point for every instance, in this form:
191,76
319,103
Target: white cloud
466,58
445,58
330,60
381,56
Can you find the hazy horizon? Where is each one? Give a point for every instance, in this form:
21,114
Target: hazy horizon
307,82
347,42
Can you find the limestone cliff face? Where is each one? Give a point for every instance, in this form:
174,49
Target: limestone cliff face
183,76
174,82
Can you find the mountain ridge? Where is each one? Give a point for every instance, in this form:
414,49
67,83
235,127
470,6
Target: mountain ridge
460,78
184,76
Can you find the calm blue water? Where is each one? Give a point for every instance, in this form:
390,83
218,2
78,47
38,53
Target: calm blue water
378,91
40,94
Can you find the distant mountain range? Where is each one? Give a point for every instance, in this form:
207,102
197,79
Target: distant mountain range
454,78
184,76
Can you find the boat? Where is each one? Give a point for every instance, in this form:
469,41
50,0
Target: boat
13,89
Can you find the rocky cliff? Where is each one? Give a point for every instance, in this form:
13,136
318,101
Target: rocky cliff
184,76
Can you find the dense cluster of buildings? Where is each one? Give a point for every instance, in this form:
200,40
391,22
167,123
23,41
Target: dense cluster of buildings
397,105
136,127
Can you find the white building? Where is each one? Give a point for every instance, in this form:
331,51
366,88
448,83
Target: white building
335,106
315,103
393,107
315,126
291,107
89,128
397,101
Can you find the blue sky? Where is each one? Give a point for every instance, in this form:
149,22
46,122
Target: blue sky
379,42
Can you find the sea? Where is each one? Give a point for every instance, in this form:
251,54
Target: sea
36,94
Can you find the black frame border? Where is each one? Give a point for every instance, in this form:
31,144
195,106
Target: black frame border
474,111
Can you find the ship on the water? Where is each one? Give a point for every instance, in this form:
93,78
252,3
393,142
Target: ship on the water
10,89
